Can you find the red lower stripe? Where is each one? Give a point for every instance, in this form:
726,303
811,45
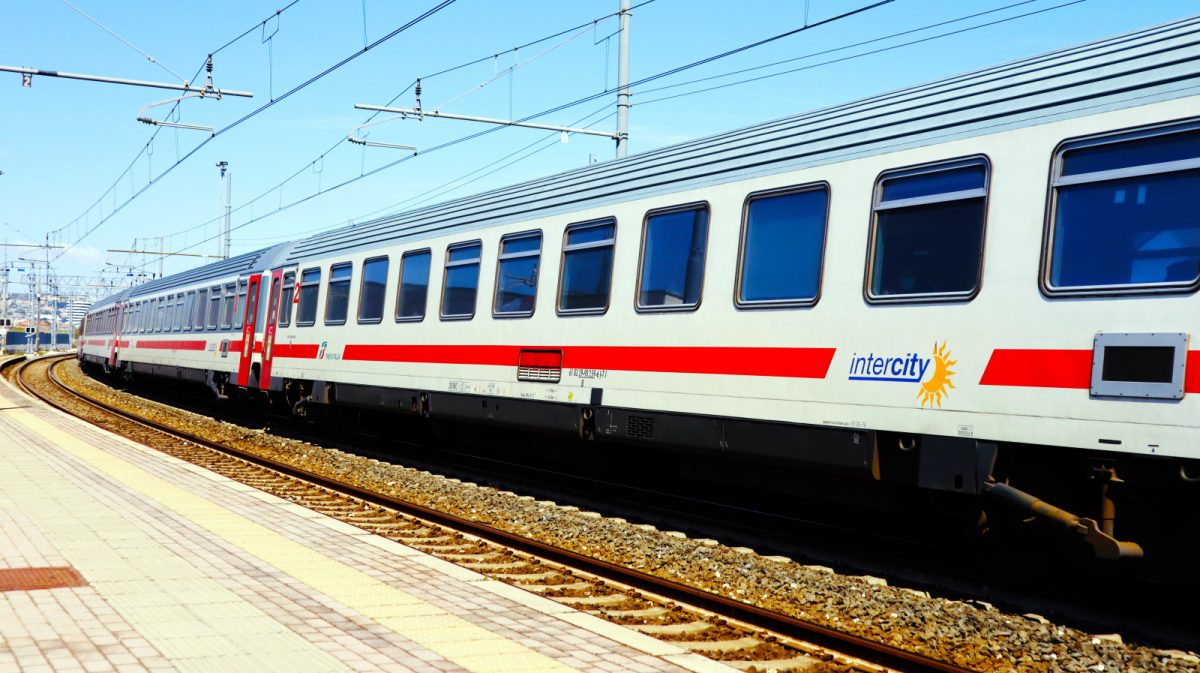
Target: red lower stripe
173,344
1033,368
786,362
302,351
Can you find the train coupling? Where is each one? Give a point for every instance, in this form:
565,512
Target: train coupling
1105,546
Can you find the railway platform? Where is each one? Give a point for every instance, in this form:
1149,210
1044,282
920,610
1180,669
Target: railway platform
115,557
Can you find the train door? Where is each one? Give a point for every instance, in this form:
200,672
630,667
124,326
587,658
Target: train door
248,321
113,354
264,381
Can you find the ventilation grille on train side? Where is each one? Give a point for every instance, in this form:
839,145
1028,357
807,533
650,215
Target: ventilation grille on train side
639,426
541,366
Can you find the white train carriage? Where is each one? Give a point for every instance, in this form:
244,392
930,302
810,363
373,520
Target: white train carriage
202,325
1031,237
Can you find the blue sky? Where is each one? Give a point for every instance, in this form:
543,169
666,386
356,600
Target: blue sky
64,143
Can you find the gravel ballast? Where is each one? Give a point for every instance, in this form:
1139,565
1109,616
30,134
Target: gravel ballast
956,632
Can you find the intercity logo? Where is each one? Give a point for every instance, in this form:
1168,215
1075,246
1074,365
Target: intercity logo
321,353
910,368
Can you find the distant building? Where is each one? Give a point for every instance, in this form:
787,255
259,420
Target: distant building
76,310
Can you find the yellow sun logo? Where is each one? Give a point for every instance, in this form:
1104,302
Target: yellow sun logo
937,386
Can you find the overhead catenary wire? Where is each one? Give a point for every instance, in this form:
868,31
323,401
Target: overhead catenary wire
548,141
843,47
253,113
579,101
475,61
149,144
127,43
424,196
852,56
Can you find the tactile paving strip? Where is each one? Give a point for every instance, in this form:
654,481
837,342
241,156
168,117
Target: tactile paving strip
32,579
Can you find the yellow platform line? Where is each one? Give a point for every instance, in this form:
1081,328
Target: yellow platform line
458,640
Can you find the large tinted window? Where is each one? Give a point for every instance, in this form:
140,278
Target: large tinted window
517,274
414,285
783,240
337,299
587,263
462,280
673,247
239,312
180,317
201,307
927,234
189,310
214,307
372,289
310,285
229,306
1126,216
286,298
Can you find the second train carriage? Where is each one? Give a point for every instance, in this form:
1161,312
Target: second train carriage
978,285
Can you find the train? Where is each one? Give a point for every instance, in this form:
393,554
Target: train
981,288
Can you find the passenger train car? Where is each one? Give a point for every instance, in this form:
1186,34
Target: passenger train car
984,285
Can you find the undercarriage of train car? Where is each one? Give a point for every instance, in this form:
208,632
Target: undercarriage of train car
1025,506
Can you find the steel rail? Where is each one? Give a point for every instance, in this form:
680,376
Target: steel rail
786,625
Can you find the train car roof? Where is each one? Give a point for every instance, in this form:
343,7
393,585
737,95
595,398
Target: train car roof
1147,65
225,268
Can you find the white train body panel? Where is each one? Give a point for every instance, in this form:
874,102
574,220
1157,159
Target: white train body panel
1009,312
1021,358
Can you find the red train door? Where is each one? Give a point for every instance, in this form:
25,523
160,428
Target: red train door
248,322
113,355
264,381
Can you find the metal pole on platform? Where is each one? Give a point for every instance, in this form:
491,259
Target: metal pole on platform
6,323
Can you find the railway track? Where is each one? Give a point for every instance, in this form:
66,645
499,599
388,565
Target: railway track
738,634
1136,610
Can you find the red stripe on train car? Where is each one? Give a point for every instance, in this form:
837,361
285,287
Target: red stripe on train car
1035,368
295,351
173,344
785,362
236,346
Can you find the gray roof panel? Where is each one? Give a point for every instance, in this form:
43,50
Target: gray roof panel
234,266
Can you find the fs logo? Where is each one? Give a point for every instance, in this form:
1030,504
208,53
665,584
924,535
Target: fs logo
321,352
911,368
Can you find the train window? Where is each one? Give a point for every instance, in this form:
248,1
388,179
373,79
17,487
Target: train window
783,243
517,274
214,307
672,270
201,303
337,295
287,295
177,322
189,311
414,285
1124,216
372,289
229,306
586,274
168,312
239,310
160,307
461,282
927,232
310,285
